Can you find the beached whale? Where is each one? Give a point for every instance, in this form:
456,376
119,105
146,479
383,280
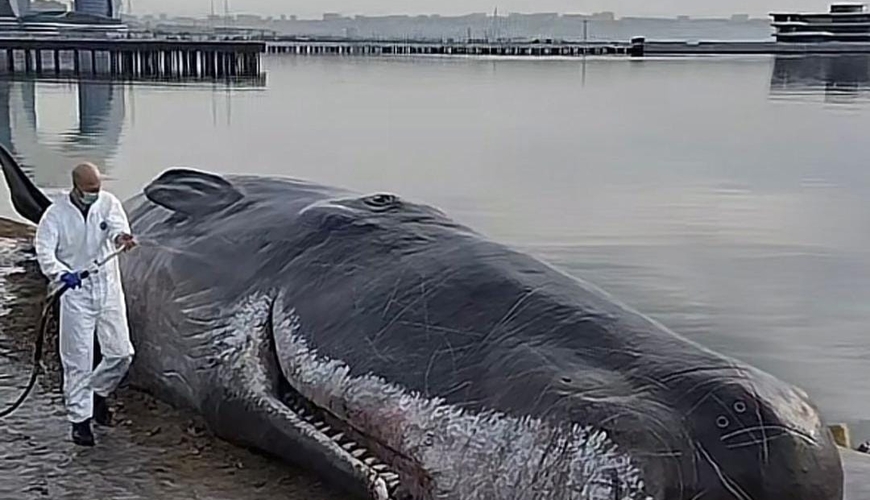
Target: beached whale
399,354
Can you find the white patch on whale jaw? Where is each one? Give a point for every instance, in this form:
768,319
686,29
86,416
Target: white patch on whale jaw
464,455
237,345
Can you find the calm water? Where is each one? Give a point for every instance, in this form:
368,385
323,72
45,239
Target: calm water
729,198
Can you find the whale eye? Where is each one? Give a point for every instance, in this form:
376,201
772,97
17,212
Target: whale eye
722,422
740,407
380,200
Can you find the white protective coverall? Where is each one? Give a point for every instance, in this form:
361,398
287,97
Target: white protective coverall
66,242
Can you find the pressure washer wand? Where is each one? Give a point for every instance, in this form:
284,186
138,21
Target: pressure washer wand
101,263
51,302
98,264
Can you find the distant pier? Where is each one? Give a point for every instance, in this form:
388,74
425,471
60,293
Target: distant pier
636,47
365,47
131,59
668,48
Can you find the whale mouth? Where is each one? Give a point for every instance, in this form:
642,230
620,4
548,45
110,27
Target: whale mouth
387,471
352,442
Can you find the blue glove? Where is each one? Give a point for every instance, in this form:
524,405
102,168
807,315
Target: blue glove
71,280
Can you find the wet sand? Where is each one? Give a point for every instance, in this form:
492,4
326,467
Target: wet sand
154,451
857,467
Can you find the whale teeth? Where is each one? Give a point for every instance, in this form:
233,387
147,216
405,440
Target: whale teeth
381,491
388,480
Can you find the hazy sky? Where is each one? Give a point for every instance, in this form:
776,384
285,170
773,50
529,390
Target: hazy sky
313,8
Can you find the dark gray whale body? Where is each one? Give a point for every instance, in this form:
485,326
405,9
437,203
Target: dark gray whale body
402,355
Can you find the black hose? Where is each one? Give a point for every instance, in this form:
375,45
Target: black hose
50,304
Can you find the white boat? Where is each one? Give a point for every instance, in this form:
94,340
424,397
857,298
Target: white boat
845,22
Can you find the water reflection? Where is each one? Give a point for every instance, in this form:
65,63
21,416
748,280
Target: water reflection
100,114
840,78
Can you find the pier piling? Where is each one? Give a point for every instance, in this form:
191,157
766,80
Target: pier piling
136,59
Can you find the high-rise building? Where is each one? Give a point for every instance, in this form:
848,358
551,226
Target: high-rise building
96,7
6,9
48,6
14,8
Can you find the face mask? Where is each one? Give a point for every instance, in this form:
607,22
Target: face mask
88,198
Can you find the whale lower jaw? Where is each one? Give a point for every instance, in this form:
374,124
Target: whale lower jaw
383,480
253,405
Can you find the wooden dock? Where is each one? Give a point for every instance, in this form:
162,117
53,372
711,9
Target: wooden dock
131,59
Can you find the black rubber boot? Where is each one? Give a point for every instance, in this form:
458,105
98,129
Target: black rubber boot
102,414
82,435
